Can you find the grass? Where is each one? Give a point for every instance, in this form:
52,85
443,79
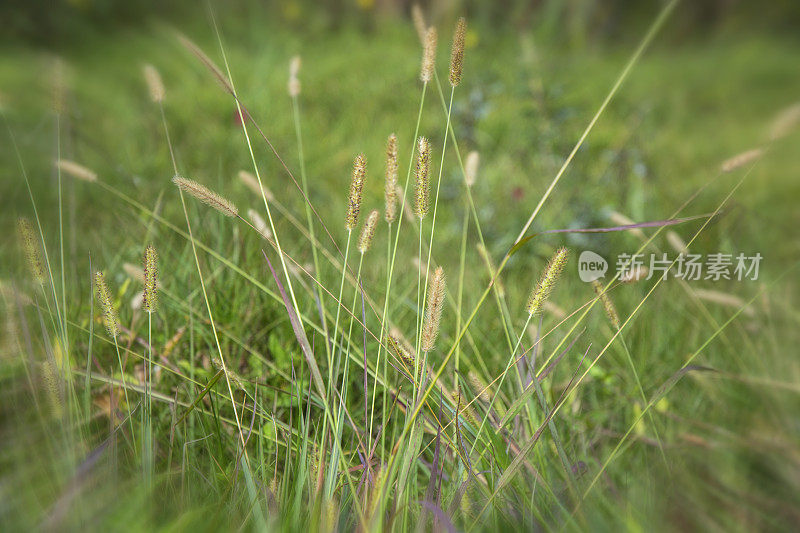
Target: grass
267,396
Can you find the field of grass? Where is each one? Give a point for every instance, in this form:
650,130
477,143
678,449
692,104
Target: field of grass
277,390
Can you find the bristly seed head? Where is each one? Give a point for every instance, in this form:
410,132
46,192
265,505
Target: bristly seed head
608,305
76,171
294,80
428,56
30,247
251,182
419,22
390,188
471,168
457,52
547,281
368,232
423,164
356,186
150,267
433,314
206,196
259,224
154,83
106,305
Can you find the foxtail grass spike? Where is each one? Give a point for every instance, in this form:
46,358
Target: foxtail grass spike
433,314
785,122
368,232
154,83
59,86
390,189
206,196
294,80
110,319
740,160
251,183
608,305
150,267
356,186
428,56
457,52
259,224
471,168
30,247
76,170
547,282
419,22
210,65
422,189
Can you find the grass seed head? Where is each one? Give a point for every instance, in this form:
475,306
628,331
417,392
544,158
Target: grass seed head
390,189
433,314
206,196
428,55
457,52
251,182
740,160
31,249
154,83
368,232
76,170
608,305
423,166
419,22
150,267
210,65
546,283
110,319
785,122
356,186
471,168
259,224
294,80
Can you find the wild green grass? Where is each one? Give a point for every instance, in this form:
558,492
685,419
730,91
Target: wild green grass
637,440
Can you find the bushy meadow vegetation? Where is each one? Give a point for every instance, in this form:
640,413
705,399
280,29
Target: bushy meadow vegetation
262,276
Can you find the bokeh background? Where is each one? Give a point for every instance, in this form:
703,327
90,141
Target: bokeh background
710,86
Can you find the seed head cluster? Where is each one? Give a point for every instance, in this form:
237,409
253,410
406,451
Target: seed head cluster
206,195
30,248
428,55
106,305
150,267
154,83
390,189
423,167
457,52
547,282
368,232
433,313
608,305
356,186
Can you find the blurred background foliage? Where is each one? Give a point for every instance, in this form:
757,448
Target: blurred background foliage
569,22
